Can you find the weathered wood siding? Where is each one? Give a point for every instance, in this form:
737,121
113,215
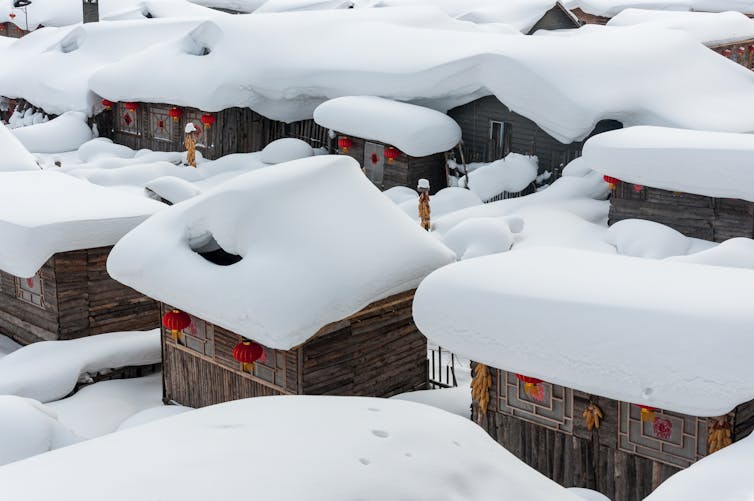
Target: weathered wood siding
377,352
744,57
557,18
79,299
10,30
624,459
587,18
91,11
698,216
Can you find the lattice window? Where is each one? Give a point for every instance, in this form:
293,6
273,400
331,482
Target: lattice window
161,126
128,121
198,336
551,406
374,162
271,368
30,290
674,439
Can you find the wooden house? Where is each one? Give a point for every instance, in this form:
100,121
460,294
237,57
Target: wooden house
315,320
741,51
53,278
160,127
558,17
395,143
584,395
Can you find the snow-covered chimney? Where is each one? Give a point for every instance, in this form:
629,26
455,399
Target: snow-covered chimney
91,11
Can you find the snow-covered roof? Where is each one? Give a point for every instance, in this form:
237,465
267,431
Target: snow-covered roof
637,330
304,231
64,133
236,5
610,8
706,27
715,164
40,66
637,75
415,130
363,448
298,5
43,213
15,156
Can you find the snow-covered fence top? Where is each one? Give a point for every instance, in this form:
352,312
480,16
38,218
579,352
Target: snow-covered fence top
14,156
43,213
714,164
317,242
706,27
666,334
415,130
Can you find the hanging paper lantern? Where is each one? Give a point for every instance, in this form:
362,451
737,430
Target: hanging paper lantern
345,143
176,321
638,188
391,154
727,52
175,113
612,182
531,385
248,352
108,104
647,413
207,120
131,106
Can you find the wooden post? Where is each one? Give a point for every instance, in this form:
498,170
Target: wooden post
191,144
424,210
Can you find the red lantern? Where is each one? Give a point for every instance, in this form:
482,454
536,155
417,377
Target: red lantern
741,51
175,113
248,352
108,104
344,143
612,182
531,385
638,188
131,106
207,120
727,52
12,15
391,154
176,321
647,413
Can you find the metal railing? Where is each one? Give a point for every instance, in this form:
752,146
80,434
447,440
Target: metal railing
442,368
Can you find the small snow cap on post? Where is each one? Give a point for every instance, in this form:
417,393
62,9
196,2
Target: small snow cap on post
424,210
191,144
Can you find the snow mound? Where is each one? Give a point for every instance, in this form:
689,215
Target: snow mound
641,238
445,201
714,164
49,370
15,156
64,133
400,194
286,150
302,230
297,5
479,237
603,312
171,188
67,214
733,253
454,400
152,414
419,132
103,147
588,494
510,174
28,428
364,448
576,168
610,8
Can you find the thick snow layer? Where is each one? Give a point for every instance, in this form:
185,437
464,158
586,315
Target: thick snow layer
636,75
510,174
304,231
100,408
733,253
286,150
28,428
706,163
67,214
647,239
38,67
614,324
297,5
171,188
152,414
722,476
415,130
64,133
610,8
237,5
15,156
706,27
480,236
445,201
351,448
49,370
455,400
588,494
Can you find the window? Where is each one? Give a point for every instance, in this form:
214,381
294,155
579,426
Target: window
374,162
161,126
128,120
499,140
198,336
29,290
270,368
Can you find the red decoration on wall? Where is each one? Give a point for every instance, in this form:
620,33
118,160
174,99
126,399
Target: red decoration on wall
176,320
345,143
161,124
127,118
207,120
248,352
374,158
108,104
727,52
12,15
638,188
30,282
131,106
663,428
391,154
175,113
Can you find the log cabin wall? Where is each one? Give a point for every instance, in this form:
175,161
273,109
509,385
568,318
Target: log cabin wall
698,216
71,296
587,18
378,352
741,52
557,18
10,30
403,171
625,459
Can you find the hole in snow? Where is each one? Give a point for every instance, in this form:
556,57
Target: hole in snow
380,433
647,392
207,247
364,461
374,409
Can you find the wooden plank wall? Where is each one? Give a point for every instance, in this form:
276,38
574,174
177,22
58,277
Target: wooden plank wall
557,18
377,352
746,59
715,219
26,323
587,18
